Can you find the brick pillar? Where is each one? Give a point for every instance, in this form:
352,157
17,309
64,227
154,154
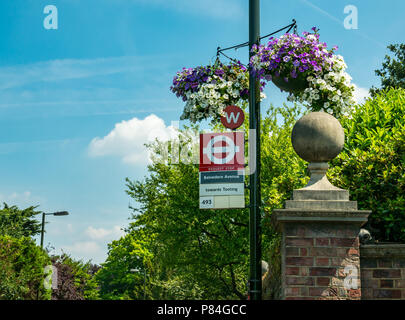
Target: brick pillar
320,254
320,226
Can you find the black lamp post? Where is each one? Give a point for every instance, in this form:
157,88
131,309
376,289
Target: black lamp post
59,213
255,288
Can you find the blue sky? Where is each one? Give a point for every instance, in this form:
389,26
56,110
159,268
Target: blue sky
77,103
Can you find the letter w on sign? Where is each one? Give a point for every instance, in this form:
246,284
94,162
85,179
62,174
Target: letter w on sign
230,117
234,117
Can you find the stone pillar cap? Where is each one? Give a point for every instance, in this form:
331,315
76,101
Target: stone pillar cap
356,217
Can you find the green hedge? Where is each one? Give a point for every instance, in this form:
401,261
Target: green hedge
372,163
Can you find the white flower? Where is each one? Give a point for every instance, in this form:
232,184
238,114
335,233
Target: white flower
311,37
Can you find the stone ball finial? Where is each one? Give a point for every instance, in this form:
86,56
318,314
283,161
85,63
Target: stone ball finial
318,137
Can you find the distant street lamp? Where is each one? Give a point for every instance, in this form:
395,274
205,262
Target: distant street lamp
59,213
144,278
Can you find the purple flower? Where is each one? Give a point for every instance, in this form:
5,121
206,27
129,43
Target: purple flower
307,56
244,92
317,68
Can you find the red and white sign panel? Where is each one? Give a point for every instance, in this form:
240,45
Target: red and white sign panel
222,151
234,117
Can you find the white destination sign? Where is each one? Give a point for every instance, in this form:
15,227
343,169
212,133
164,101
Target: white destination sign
222,189
206,202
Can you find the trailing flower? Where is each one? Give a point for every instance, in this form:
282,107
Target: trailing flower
311,73
207,90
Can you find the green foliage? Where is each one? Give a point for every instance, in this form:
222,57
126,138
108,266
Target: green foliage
22,265
372,164
392,72
76,279
117,277
208,245
190,253
19,223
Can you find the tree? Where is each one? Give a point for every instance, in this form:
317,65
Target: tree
22,262
392,72
117,277
19,223
206,244
22,265
76,279
191,253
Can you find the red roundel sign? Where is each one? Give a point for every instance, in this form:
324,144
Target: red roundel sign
222,151
234,117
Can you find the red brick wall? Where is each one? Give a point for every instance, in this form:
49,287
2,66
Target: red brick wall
314,258
383,271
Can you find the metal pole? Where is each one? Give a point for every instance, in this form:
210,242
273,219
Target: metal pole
255,288
144,283
43,229
42,241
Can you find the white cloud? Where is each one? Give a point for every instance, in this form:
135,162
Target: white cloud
20,199
101,233
360,94
85,242
127,139
83,249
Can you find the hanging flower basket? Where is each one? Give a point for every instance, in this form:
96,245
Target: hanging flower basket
207,90
289,85
302,66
